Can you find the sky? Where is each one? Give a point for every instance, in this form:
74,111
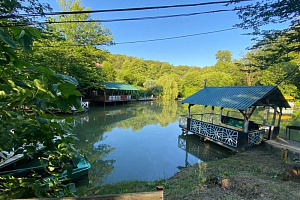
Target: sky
197,51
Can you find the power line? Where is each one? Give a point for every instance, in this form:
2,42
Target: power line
145,18
176,37
119,9
122,19
152,40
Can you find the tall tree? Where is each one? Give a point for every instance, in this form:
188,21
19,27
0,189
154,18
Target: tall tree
224,55
169,83
71,48
80,33
268,12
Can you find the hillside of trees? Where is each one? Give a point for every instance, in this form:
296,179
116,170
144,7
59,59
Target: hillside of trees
274,60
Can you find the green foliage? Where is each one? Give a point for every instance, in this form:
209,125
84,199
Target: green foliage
223,55
192,82
92,33
69,48
257,15
10,8
152,88
109,72
27,92
169,84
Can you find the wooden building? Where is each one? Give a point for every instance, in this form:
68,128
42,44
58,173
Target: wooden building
113,92
234,133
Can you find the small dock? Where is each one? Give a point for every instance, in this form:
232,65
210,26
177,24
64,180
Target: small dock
289,149
147,99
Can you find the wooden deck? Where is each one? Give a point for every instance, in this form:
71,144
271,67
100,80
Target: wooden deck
158,195
282,146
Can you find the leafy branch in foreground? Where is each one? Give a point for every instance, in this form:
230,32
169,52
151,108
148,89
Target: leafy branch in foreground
27,96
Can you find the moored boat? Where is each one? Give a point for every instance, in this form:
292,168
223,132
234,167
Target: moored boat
80,168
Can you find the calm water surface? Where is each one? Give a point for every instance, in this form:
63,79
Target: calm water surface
142,141
139,141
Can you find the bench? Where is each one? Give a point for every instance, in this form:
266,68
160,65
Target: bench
288,130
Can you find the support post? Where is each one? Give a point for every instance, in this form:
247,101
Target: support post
273,122
266,112
220,117
279,118
247,114
246,125
189,110
212,114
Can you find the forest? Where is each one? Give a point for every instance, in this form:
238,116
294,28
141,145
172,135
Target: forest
36,55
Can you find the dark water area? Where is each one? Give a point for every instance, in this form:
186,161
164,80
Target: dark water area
142,140
139,141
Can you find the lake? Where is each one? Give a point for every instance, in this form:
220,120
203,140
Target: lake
142,141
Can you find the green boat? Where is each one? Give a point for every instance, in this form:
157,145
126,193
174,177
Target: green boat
80,168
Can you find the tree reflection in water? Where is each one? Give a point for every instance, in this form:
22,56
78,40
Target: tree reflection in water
91,128
116,125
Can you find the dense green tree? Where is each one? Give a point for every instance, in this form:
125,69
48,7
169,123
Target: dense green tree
109,71
279,44
250,66
192,82
92,33
152,88
12,8
169,85
224,55
276,74
69,48
260,13
217,78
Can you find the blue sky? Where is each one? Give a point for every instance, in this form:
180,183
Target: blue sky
192,51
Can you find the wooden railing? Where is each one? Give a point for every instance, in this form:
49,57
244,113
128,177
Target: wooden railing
113,98
209,126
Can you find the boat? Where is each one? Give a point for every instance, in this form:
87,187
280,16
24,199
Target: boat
8,158
80,168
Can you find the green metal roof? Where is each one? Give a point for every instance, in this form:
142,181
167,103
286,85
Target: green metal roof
118,86
238,97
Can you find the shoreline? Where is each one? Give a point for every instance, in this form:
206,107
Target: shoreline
253,174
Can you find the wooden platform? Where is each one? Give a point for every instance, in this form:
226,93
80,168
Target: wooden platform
278,145
158,195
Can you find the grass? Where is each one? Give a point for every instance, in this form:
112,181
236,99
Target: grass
253,174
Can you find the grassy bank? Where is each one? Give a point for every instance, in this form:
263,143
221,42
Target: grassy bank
253,174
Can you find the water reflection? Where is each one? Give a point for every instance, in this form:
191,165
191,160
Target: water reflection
204,151
131,141
142,141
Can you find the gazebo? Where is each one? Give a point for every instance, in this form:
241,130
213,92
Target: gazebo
230,132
